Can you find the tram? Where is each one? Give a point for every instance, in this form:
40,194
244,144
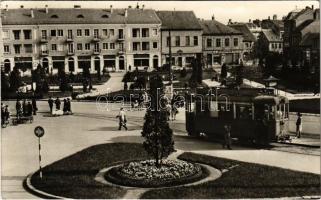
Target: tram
255,115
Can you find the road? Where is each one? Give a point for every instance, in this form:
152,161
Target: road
89,125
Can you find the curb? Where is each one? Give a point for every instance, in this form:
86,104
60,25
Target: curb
29,187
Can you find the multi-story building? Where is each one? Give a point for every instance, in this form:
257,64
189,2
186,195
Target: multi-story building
248,39
276,25
182,30
74,39
271,41
221,43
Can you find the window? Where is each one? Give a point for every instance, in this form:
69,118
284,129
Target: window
155,45
87,32
69,33
70,47
96,47
227,42
167,41
121,46
79,32
53,33
136,46
60,32
17,48
96,33
187,41
60,47
155,32
105,32
218,42
280,45
80,16
87,46
54,16
112,45
209,42
54,47
28,48
236,42
111,32
5,34
195,40
6,48
104,16
145,45
177,41
44,34
120,33
145,32
27,34
79,46
16,34
105,45
136,32
247,45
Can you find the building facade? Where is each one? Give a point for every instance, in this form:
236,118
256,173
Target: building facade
221,43
182,32
271,41
74,39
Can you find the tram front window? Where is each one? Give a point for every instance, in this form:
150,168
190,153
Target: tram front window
243,111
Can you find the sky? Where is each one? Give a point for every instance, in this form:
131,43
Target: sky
240,11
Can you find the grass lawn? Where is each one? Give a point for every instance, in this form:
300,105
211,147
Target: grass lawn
73,176
245,180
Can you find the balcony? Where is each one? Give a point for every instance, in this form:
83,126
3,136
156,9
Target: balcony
44,40
70,53
70,39
44,53
121,51
97,51
120,38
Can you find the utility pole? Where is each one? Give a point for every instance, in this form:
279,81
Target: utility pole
170,64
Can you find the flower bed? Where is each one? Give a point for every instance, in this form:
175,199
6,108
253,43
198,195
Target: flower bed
146,174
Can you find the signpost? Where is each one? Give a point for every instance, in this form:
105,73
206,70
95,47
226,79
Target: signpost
39,132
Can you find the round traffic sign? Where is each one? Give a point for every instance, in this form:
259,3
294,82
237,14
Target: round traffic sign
39,131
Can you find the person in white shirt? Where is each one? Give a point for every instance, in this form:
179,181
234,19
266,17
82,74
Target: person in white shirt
122,119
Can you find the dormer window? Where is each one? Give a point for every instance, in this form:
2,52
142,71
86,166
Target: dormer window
105,16
80,16
54,16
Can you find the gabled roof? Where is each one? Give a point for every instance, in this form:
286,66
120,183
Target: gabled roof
213,27
303,25
243,28
271,36
79,16
309,39
179,20
297,13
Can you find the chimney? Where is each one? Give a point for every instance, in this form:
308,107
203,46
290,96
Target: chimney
230,21
129,6
21,6
137,6
111,8
31,13
275,17
6,8
46,6
250,20
312,7
77,6
269,18
213,17
126,12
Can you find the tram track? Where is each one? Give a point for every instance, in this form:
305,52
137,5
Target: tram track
281,147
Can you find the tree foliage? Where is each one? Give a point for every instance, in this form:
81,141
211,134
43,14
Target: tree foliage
15,79
156,131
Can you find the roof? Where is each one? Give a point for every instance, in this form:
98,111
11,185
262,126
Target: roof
303,25
213,27
296,13
271,36
309,39
179,20
313,27
247,34
79,16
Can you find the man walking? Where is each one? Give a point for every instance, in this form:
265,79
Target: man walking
299,125
122,119
58,103
50,102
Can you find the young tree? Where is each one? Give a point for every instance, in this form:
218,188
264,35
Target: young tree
156,131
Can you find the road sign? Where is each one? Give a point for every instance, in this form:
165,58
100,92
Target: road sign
39,131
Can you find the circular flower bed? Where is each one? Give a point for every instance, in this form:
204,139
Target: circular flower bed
146,174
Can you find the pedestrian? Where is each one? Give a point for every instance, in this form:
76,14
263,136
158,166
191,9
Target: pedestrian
227,136
299,125
34,105
2,114
18,109
29,109
69,106
6,113
58,103
50,102
122,119
65,106
24,108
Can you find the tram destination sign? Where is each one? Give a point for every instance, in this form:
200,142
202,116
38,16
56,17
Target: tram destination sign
39,131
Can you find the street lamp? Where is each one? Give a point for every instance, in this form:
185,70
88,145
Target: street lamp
271,82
